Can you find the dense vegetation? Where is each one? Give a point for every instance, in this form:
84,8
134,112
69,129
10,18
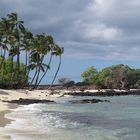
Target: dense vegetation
117,76
22,53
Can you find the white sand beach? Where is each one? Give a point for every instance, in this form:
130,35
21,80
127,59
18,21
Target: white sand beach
8,95
15,95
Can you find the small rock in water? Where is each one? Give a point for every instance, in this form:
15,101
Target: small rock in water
85,101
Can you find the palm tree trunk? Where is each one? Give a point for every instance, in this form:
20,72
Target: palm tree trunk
11,76
56,71
29,62
3,65
26,63
45,71
1,61
18,64
37,78
26,69
34,77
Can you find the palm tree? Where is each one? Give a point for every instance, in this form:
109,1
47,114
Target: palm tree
58,52
28,38
39,49
15,39
38,65
18,32
5,33
34,59
12,53
4,29
41,67
47,68
47,48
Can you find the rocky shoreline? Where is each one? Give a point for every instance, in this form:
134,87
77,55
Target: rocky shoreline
25,97
22,101
104,93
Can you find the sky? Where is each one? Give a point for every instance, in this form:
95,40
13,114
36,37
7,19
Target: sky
97,33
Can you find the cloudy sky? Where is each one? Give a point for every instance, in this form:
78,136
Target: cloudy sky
93,32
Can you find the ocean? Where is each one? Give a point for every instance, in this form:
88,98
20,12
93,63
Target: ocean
118,119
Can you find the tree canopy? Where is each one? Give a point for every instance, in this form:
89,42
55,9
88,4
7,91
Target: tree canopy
116,76
89,75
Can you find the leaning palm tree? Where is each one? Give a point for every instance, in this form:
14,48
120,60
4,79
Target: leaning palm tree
47,49
34,59
38,65
58,52
47,68
41,48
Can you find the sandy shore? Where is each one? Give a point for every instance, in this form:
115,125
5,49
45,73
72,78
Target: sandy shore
3,110
15,95
49,94
3,121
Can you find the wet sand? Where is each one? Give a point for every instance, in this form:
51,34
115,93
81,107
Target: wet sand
4,109
3,122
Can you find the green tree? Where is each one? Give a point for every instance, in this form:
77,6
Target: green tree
102,77
89,76
7,73
117,76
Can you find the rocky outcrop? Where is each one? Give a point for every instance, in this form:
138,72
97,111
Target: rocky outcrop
85,101
22,101
106,93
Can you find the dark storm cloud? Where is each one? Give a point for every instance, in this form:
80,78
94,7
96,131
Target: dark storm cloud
103,29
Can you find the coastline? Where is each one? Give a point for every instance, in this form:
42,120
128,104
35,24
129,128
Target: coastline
4,109
9,95
24,96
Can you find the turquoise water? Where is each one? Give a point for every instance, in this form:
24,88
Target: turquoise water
118,119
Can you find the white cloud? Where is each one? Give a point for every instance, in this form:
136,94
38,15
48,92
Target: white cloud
101,32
